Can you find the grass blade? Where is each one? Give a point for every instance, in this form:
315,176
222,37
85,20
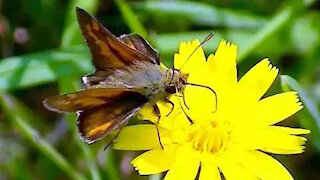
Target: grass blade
312,119
12,107
71,34
132,19
274,25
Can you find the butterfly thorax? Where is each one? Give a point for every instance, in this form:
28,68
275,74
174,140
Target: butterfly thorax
151,80
175,81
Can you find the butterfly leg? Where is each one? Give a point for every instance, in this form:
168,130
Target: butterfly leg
184,100
113,138
172,106
157,112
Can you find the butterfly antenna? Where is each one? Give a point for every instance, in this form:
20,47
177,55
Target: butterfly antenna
209,88
206,39
185,113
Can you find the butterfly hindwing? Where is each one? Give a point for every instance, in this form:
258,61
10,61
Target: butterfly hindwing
95,123
135,41
107,51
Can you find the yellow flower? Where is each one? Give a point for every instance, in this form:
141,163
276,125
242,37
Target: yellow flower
231,141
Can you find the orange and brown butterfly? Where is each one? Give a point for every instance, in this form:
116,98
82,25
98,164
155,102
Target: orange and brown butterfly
128,76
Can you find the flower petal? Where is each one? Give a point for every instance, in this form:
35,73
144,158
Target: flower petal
209,172
276,108
222,66
278,140
155,161
147,112
192,62
233,170
255,83
223,77
138,137
264,167
185,167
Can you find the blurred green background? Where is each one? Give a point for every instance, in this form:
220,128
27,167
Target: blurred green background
43,54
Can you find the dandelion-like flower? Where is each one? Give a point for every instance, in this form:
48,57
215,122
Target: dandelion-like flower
231,141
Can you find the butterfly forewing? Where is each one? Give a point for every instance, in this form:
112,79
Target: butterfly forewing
107,51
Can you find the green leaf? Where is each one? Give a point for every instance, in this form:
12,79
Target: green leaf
199,13
312,121
47,66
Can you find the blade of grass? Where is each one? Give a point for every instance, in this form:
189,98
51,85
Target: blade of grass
12,107
199,13
290,83
132,19
274,25
311,120
71,34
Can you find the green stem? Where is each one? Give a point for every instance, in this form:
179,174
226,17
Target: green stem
10,106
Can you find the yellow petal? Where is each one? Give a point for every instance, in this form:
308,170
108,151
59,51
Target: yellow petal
185,166
233,170
255,83
209,172
222,66
192,62
199,100
155,161
138,137
291,131
223,77
264,166
147,111
278,140
276,108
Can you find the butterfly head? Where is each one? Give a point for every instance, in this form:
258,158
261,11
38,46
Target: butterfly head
176,81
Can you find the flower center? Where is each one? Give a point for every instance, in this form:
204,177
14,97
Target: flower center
208,139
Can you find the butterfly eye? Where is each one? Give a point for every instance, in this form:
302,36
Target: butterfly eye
171,89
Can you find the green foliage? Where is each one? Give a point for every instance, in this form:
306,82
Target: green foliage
42,50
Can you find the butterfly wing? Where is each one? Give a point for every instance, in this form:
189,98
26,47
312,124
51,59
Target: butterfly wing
107,51
85,99
99,111
96,123
136,42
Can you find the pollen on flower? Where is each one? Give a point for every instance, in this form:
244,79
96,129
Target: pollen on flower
209,139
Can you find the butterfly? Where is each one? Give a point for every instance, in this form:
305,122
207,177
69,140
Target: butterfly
127,76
